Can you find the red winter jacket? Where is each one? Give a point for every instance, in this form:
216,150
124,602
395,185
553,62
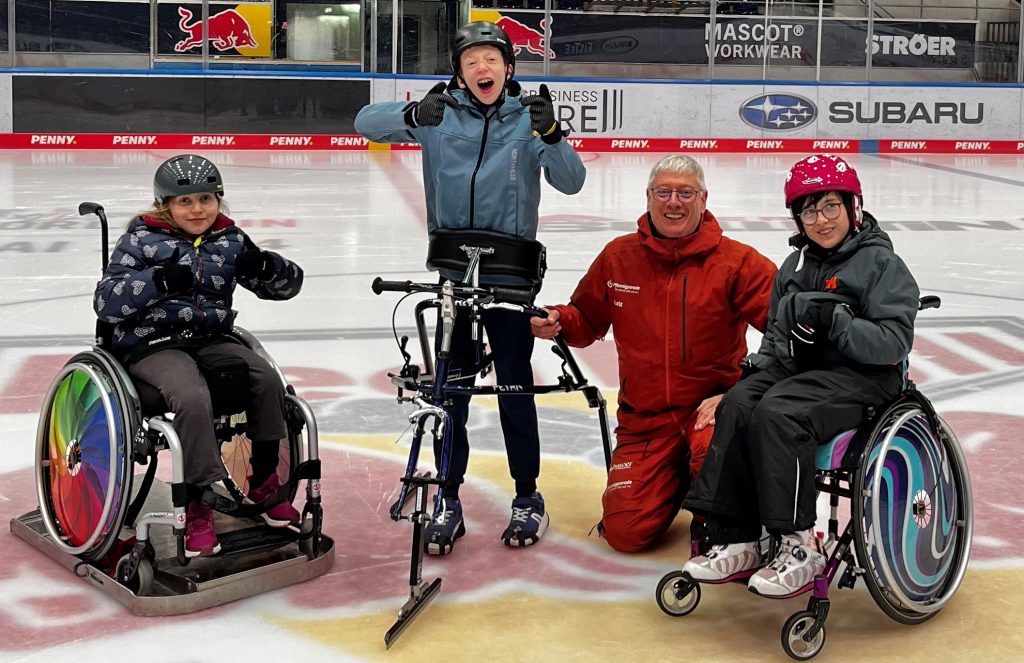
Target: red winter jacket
680,309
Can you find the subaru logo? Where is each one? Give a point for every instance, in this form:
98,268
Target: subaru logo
778,112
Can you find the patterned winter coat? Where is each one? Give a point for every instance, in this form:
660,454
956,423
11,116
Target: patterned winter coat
128,298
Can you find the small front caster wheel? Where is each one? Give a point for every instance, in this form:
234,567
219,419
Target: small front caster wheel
794,640
140,582
677,596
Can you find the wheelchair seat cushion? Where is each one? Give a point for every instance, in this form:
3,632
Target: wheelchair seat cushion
830,455
512,256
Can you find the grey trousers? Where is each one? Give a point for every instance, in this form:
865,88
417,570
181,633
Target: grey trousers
174,373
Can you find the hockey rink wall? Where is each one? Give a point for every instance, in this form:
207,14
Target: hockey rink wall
101,110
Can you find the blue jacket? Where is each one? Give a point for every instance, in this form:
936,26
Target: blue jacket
480,172
128,298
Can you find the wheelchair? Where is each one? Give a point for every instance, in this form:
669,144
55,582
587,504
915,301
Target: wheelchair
471,253
910,526
97,518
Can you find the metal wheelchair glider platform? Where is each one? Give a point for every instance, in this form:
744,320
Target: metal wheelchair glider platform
269,559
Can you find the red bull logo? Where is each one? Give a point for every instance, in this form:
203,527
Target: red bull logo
525,37
227,29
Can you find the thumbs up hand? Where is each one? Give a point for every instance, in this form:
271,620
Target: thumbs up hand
542,115
171,278
429,111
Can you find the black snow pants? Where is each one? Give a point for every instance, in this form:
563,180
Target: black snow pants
760,466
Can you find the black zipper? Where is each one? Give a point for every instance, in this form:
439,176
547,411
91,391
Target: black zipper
472,181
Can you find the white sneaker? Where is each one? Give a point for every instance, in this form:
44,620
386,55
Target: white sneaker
724,561
800,558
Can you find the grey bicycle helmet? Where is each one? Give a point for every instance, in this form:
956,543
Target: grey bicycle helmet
481,33
186,173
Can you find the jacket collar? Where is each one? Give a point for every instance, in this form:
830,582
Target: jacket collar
220,223
676,250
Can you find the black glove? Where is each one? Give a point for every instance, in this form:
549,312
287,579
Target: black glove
809,336
171,278
542,115
253,263
429,111
747,368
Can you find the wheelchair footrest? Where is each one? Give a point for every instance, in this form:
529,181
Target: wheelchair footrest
252,539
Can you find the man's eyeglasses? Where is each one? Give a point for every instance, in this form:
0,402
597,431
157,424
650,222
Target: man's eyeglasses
684,195
830,211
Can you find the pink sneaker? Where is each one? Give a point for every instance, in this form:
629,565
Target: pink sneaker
282,514
200,536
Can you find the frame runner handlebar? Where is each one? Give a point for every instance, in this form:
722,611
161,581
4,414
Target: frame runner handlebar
513,299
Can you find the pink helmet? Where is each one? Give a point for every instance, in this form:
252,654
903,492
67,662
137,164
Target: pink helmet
824,172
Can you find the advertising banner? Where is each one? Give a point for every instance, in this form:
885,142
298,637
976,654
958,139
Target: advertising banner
931,44
297,149
587,37
655,110
862,112
612,109
789,42
601,116
750,41
235,29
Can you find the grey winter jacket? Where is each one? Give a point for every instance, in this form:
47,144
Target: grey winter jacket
877,296
480,171
128,298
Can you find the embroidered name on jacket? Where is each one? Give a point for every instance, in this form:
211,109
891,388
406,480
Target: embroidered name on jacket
624,288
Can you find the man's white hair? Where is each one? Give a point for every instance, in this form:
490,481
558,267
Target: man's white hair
678,164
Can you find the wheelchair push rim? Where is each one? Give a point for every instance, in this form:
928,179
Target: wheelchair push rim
82,463
913,512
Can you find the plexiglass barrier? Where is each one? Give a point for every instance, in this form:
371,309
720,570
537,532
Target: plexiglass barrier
827,40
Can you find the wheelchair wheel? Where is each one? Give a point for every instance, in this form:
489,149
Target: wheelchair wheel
677,596
912,514
83,455
140,582
237,452
793,641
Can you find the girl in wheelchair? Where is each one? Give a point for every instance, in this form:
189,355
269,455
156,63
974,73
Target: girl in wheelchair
167,292
841,321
